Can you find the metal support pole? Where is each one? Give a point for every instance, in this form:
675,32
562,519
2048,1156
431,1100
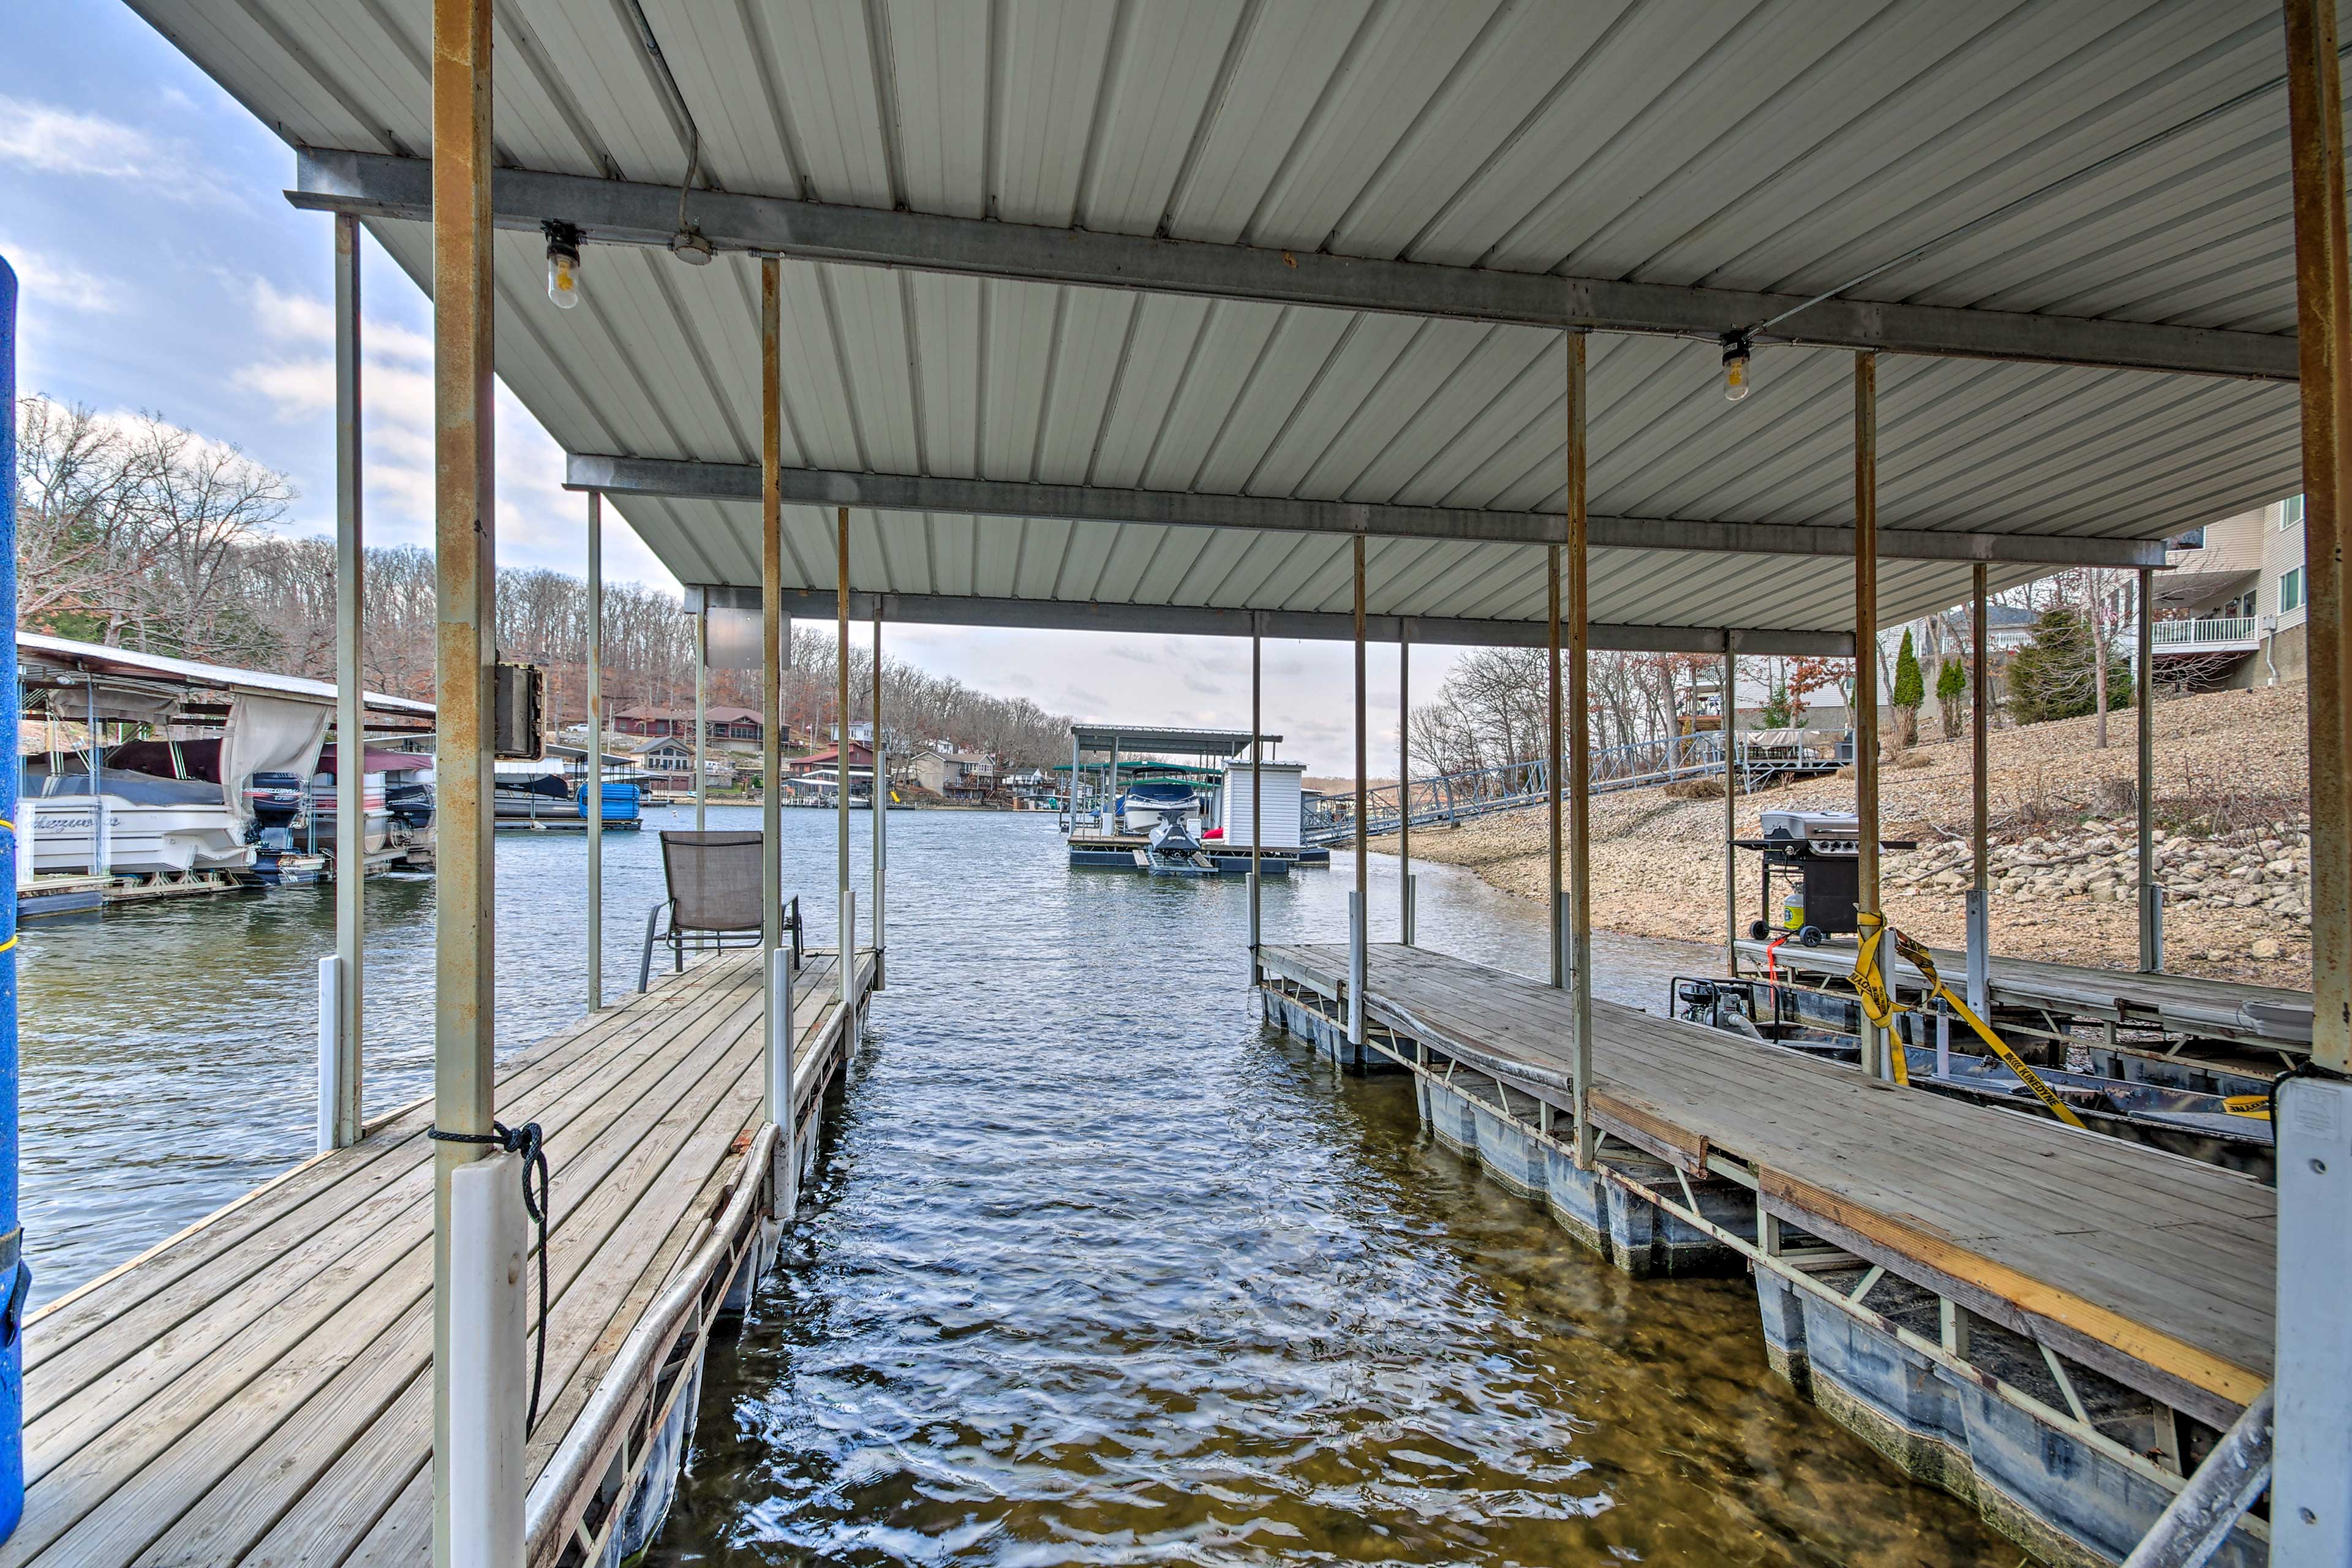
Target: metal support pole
881,802
1730,809
595,780
1257,793
331,1051
1110,792
1578,961
772,613
1980,933
1404,783
2151,910
846,905
350,725
701,713
1555,896
1359,936
1865,662
16,854
478,1278
1072,800
2311,1492
783,977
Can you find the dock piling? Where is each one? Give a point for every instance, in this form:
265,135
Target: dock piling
487,1344
350,725
1358,967
2151,905
595,752
332,1095
1980,905
1864,713
783,979
881,798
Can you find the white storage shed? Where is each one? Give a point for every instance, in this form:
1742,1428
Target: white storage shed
1284,785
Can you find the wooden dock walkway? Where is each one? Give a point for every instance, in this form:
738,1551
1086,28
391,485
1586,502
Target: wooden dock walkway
2278,1019
258,1388
2155,1271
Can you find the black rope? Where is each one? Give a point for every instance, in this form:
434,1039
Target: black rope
526,1142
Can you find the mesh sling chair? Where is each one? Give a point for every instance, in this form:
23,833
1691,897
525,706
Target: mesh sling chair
714,899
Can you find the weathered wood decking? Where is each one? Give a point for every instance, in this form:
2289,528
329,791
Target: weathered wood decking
2177,1004
258,1389
2155,1269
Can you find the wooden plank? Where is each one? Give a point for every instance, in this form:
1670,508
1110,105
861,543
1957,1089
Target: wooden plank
2093,1235
174,1322
168,1448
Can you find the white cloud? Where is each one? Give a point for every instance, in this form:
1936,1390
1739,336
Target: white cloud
309,320
53,141
48,282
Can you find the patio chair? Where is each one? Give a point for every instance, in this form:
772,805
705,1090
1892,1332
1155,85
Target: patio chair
714,899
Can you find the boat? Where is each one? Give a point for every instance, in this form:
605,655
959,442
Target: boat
1147,800
397,794
1173,850
138,824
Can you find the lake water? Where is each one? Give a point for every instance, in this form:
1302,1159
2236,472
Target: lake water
1097,1269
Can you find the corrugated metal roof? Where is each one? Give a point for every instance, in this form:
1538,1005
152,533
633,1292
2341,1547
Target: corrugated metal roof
1777,145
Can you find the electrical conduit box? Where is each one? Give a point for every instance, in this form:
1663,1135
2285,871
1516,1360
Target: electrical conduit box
517,693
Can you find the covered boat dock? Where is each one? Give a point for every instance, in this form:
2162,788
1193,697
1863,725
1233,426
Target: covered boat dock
1715,331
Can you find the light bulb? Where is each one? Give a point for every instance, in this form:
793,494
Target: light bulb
1734,365
562,279
563,263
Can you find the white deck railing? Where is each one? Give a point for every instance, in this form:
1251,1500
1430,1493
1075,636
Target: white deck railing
2208,632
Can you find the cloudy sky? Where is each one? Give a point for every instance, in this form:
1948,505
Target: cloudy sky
162,271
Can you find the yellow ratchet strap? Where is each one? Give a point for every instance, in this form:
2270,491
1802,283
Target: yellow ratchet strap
1916,957
2257,1106
1870,985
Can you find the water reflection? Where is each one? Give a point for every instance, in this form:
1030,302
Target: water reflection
1099,1271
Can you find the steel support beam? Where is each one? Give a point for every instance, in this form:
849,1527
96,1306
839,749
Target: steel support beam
1304,626
2310,1487
881,846
1979,907
477,1298
1361,935
351,721
595,759
1729,721
2151,908
773,611
1405,784
1257,797
846,907
701,717
1554,749
622,212
1865,659
668,479
1579,924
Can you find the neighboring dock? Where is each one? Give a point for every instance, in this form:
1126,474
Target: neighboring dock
260,1387
2053,1323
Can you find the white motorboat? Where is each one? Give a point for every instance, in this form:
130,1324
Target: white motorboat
1148,801
139,824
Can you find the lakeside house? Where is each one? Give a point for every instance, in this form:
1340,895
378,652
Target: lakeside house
955,775
2233,596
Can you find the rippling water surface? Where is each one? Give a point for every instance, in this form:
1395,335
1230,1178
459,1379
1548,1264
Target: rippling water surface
1097,1271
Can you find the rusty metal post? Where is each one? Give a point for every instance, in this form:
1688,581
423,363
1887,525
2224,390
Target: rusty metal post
477,1446
1258,794
1359,938
351,721
1554,897
2311,1489
2151,895
1979,928
847,906
1865,662
881,802
595,780
701,713
772,616
1578,959
1404,779
1726,722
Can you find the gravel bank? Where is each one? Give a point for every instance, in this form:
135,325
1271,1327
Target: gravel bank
2232,789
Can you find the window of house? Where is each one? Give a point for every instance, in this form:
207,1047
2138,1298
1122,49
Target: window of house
2291,591
2290,512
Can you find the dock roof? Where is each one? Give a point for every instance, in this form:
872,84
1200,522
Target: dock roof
1128,317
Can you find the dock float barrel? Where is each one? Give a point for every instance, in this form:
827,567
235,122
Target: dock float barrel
14,1275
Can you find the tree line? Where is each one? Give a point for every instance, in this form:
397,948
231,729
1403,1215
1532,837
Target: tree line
139,534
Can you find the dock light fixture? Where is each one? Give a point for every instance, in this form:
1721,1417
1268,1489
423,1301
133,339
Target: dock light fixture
563,262
1736,351
689,246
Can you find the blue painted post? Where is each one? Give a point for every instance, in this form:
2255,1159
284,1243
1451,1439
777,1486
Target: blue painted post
15,1277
